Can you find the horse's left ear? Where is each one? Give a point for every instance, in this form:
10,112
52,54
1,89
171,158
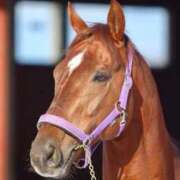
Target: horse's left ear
116,20
77,23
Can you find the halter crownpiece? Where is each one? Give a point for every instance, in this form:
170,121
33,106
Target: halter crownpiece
119,110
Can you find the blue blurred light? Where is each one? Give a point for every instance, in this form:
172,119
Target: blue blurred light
37,32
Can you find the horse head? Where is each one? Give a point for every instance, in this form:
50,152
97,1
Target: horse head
88,81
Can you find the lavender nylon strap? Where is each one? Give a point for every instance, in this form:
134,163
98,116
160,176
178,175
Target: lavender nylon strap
64,124
104,124
78,133
72,129
127,84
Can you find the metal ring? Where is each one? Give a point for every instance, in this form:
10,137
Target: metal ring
122,112
87,142
118,107
124,116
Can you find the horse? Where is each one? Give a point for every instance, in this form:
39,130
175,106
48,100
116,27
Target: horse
89,80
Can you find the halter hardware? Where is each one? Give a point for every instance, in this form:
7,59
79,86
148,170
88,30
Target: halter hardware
90,165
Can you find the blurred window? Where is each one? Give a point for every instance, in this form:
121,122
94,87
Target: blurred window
38,33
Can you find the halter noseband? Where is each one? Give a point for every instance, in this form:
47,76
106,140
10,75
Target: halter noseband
119,110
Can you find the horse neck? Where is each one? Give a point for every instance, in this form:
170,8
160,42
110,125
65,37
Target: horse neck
143,150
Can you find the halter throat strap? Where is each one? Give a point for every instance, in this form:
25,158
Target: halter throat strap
118,110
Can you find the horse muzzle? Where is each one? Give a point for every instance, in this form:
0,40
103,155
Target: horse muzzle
48,160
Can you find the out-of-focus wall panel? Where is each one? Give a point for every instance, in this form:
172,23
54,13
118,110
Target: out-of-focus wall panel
3,93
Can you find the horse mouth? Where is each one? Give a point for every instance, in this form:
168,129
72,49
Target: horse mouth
60,171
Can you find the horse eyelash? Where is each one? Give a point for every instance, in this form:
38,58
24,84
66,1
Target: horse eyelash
101,77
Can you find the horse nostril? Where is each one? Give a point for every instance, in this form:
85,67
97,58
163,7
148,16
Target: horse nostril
46,154
53,156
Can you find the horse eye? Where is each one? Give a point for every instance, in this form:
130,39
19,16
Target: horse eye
101,77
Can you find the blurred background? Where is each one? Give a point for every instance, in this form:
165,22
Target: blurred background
33,36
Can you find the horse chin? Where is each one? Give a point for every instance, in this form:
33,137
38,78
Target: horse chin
60,172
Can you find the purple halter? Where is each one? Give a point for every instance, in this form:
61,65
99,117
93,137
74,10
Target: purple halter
119,110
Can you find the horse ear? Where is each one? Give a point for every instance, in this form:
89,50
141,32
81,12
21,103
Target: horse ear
116,20
77,23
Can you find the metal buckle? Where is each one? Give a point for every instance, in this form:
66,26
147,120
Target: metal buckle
118,107
122,112
123,115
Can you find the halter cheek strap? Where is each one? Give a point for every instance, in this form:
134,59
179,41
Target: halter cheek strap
118,110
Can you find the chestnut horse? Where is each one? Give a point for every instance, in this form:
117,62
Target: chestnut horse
87,85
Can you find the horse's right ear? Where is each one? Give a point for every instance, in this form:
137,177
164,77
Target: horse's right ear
77,23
